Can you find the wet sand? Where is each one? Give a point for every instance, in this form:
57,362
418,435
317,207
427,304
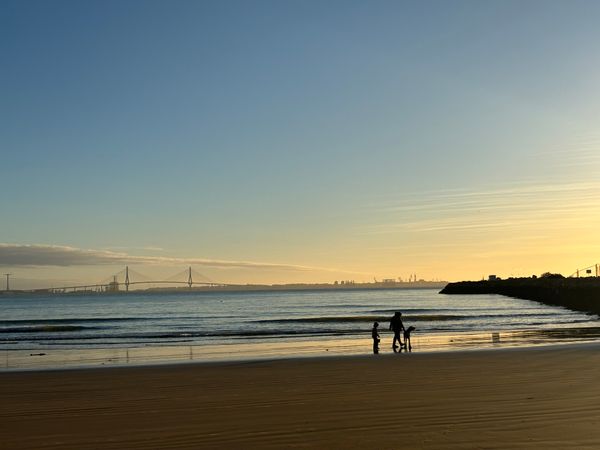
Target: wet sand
499,399
64,358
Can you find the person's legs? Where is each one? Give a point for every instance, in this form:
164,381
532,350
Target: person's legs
400,342
396,339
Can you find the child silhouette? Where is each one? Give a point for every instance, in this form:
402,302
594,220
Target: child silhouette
375,336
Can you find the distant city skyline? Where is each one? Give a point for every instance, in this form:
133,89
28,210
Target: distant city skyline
275,142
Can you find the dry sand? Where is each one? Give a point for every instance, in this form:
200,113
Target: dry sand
532,398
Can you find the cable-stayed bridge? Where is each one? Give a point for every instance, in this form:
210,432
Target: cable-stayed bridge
129,278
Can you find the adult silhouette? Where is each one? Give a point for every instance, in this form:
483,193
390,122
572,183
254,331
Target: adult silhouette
397,327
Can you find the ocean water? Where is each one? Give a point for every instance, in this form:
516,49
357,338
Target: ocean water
220,324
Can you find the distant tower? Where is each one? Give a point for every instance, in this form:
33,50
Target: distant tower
7,281
190,282
127,278
113,286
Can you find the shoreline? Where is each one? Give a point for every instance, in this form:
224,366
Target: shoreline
517,398
28,360
549,347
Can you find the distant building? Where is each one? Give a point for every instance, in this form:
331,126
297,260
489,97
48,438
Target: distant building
493,278
113,286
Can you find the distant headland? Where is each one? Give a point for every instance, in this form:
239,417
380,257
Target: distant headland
344,285
118,288
578,294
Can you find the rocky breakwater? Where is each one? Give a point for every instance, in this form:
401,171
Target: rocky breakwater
578,294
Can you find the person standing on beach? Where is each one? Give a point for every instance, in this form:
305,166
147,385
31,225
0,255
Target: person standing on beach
397,327
375,335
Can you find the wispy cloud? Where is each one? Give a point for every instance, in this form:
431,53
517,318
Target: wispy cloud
148,248
582,153
521,205
15,255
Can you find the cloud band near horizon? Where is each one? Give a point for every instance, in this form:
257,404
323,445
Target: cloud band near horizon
32,255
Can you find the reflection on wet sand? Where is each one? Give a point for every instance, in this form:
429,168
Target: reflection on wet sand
236,350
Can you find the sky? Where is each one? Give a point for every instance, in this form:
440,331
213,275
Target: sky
298,141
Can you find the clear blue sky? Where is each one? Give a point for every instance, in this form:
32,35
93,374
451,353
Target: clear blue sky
342,135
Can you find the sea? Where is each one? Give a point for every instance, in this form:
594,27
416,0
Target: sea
155,327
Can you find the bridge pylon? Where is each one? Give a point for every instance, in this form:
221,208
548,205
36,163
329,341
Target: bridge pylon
190,281
126,278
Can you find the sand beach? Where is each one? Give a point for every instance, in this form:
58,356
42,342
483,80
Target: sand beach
526,398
